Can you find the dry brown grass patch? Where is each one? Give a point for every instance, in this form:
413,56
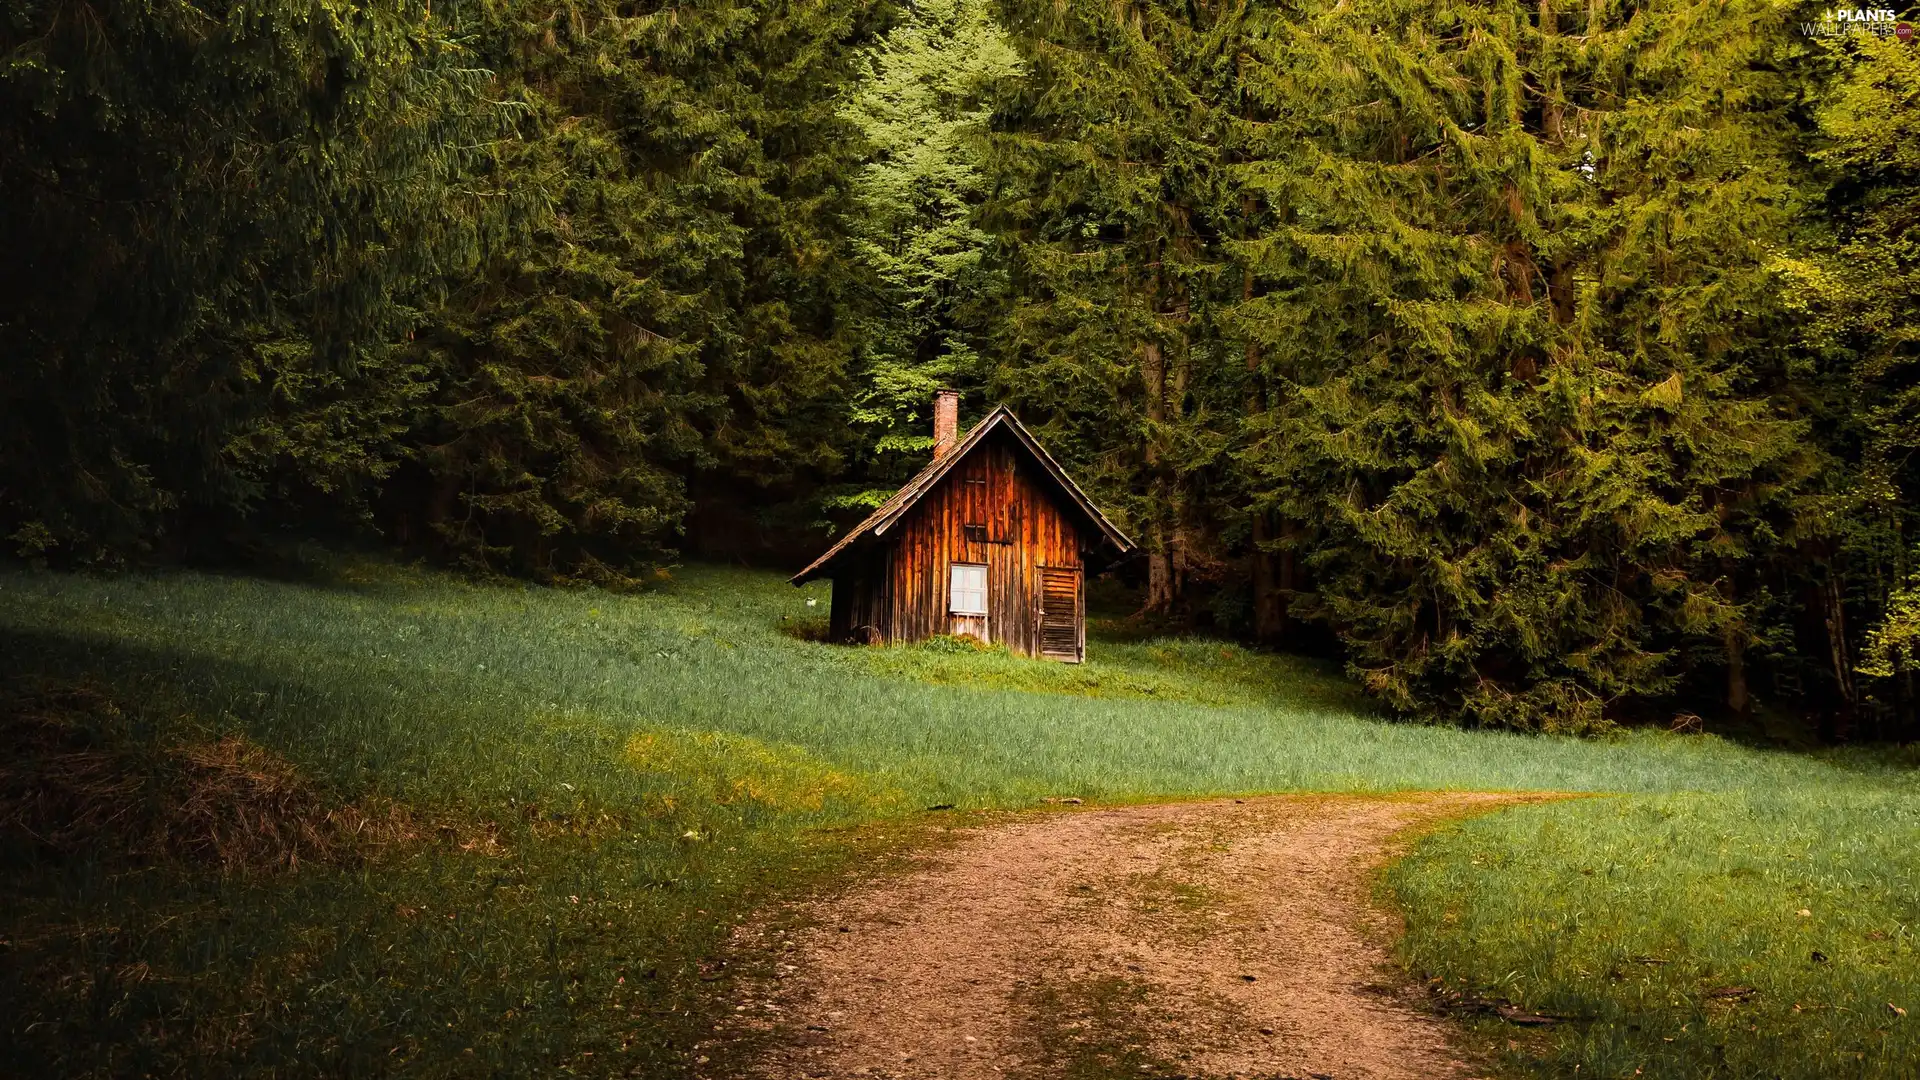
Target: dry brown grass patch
77,785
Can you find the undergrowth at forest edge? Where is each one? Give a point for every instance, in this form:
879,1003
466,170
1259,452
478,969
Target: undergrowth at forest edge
575,795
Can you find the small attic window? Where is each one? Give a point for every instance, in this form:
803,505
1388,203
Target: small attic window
969,592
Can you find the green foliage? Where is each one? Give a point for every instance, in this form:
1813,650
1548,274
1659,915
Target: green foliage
922,111
309,249
1110,202
1890,644
1556,362
1491,304
216,219
677,308
1864,295
1871,122
1543,429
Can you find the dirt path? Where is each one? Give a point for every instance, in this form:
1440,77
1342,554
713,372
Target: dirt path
1213,939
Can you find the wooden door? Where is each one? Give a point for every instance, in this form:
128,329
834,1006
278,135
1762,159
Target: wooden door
1060,620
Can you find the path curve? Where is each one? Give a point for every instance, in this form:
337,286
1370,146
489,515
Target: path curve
1227,938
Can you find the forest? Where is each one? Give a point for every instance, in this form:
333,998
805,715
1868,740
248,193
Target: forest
1551,365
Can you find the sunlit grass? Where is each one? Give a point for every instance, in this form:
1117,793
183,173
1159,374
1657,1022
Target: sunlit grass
1763,933
656,765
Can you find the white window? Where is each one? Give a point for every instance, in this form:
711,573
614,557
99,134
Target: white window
969,589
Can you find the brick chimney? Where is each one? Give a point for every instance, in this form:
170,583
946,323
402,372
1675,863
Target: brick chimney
946,421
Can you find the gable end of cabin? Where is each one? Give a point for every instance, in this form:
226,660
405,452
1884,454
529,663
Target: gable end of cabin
991,541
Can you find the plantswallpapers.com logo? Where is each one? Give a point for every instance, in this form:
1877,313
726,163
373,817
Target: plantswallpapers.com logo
1847,22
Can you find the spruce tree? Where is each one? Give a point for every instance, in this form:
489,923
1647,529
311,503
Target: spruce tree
1109,199
1523,296
1481,304
922,109
678,313
216,218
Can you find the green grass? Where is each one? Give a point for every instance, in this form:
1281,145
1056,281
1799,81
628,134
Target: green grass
1762,933
657,766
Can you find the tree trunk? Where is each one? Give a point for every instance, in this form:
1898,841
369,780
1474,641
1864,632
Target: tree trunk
438,520
1835,617
1153,371
1180,557
1269,604
1738,700
1904,709
1266,622
1179,483
1553,110
1734,638
1560,293
1553,107
1288,582
1159,574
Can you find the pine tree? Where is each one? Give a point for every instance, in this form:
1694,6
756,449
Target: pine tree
922,110
1483,304
216,218
679,311
1520,290
1109,199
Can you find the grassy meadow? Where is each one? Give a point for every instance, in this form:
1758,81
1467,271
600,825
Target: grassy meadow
368,820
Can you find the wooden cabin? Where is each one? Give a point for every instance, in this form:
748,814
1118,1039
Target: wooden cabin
992,540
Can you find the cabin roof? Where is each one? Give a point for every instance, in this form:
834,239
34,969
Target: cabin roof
896,506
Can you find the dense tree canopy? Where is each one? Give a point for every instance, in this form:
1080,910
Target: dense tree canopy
1525,314
922,110
218,221
679,303
1865,292
1554,365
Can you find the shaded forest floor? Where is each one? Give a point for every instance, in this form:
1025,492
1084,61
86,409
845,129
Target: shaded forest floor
368,820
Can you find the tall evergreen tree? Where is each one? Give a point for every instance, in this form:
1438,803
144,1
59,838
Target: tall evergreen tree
1523,293
1109,201
215,218
922,109
679,312
1487,296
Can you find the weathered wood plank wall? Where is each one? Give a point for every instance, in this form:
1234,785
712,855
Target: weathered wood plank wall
987,510
860,596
